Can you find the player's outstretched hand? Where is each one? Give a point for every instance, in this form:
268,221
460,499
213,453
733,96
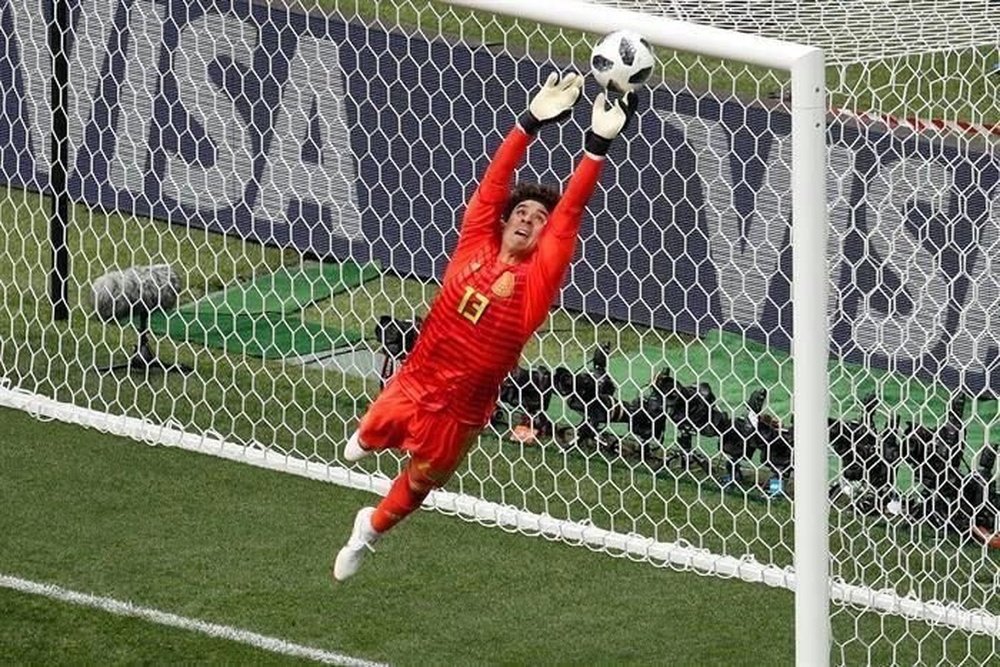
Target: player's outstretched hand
608,120
553,102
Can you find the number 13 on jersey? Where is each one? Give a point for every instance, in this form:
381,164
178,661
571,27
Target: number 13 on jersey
473,304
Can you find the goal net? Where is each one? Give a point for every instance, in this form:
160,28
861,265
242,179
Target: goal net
222,229
921,63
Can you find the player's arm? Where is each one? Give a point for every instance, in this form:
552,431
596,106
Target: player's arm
557,243
482,216
552,103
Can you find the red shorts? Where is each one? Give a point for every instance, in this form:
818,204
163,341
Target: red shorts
435,441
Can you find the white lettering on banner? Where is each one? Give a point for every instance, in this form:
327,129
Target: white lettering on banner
746,256
89,51
744,271
314,77
743,283
892,194
746,223
839,184
978,323
127,167
96,24
36,75
202,42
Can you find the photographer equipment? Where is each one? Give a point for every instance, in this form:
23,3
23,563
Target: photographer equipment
527,394
963,501
396,339
754,433
692,411
980,499
952,494
777,451
937,458
690,408
589,393
130,295
646,418
592,395
741,441
869,459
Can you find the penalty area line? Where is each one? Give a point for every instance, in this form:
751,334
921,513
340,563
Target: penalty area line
110,605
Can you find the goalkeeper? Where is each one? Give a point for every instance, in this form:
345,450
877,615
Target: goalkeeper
513,251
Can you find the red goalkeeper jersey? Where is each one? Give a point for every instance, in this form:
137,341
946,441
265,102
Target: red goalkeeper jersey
487,310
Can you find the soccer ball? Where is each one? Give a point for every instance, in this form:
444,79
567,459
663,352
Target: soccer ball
622,61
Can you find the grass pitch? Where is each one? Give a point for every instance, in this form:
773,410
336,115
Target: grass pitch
250,548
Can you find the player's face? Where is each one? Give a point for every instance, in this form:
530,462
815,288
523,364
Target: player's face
523,227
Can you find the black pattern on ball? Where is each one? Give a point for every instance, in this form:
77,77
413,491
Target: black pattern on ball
601,64
641,75
627,51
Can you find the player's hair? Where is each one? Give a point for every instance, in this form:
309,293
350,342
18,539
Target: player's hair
546,195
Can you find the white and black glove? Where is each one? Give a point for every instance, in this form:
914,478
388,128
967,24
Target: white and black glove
608,120
553,102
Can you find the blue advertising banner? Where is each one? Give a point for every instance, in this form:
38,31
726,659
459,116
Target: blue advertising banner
346,140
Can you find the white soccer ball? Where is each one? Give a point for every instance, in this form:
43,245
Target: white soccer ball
622,61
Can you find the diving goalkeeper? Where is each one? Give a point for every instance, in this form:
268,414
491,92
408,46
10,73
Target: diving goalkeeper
513,250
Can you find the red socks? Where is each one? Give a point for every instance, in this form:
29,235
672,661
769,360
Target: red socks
400,502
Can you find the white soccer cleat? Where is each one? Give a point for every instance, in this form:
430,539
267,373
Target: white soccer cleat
353,451
363,536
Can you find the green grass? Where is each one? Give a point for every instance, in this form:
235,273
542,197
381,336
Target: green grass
231,544
39,631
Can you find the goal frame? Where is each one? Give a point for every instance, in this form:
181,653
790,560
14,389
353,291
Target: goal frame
810,350
810,227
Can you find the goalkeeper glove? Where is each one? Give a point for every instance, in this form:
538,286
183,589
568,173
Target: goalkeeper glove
608,120
553,102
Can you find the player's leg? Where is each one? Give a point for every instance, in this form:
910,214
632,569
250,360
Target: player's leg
353,451
383,425
437,444
405,496
439,447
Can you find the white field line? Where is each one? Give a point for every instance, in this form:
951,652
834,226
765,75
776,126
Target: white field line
110,605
